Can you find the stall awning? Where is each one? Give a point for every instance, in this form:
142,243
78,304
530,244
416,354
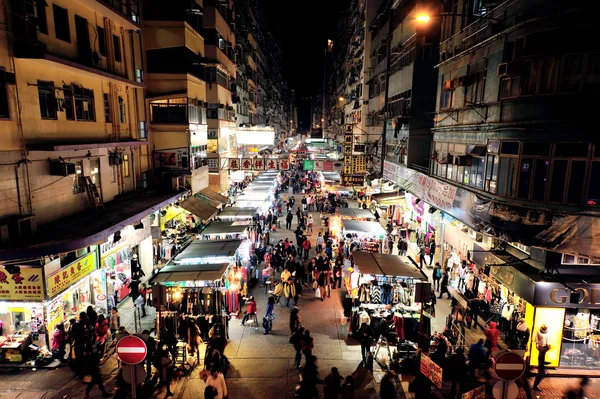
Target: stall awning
573,234
386,265
387,196
355,213
223,228
204,249
182,273
198,208
358,226
214,198
237,212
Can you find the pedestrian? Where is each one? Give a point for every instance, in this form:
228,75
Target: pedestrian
140,302
78,335
217,381
348,388
444,286
332,385
288,220
306,246
432,248
492,334
101,334
422,255
294,320
337,275
543,346
309,223
269,314
462,274
365,336
59,342
578,393
92,376
307,346
320,242
402,246
437,276
143,294
92,316
150,353
457,368
250,310
477,355
165,364
296,341
387,388
310,379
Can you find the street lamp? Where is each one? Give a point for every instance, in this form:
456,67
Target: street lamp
341,99
425,18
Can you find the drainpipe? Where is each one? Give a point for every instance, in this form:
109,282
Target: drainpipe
387,85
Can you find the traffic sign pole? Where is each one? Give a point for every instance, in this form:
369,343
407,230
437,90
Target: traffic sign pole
133,383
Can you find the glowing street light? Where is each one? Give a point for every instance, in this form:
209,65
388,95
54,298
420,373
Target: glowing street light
341,99
322,120
423,18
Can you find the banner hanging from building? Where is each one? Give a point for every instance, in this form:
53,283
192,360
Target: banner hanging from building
258,164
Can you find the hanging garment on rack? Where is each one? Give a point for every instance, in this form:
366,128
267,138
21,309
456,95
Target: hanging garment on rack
376,294
399,326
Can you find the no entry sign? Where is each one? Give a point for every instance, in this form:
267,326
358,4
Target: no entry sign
509,366
131,349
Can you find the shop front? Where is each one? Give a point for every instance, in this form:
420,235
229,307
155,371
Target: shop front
125,256
421,224
363,236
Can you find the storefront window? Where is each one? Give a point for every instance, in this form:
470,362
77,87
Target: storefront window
581,339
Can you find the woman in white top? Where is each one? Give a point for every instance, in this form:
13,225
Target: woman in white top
217,381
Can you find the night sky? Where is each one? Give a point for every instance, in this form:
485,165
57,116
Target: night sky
303,27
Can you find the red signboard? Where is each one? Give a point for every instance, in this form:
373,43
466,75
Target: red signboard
246,164
509,366
284,164
327,166
131,349
234,163
271,164
258,163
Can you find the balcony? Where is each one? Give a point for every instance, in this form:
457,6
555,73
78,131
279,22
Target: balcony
123,12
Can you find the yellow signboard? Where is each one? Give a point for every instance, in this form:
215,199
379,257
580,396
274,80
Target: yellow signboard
62,279
27,285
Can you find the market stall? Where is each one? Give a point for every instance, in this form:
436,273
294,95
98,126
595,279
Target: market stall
212,198
229,231
355,214
383,286
232,214
255,199
363,236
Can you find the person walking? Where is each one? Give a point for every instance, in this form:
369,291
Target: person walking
437,276
288,220
92,361
101,334
310,379
477,355
457,368
309,223
365,336
387,388
306,246
402,246
294,320
320,242
543,346
296,341
307,346
165,363
337,275
332,385
492,334
269,314
432,248
579,392
143,294
58,342
217,381
150,353
444,286
422,255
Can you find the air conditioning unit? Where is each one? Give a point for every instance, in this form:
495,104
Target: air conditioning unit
464,80
508,69
60,168
449,84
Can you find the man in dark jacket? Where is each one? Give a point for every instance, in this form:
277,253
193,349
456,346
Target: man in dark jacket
288,220
457,367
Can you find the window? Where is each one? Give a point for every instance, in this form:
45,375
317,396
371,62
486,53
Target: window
510,148
548,76
95,171
576,178
4,108
534,148
573,150
142,132
106,101
571,73
47,99
117,47
592,73
509,87
491,173
68,102
475,82
529,78
78,180
507,176
593,197
216,75
122,110
540,179
447,98
559,177
101,40
171,110
113,173
61,23
212,163
525,172
125,165
139,75
144,179
42,22
477,171
84,104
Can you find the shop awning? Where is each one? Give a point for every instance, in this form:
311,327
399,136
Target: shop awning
366,264
388,196
355,213
205,249
386,265
573,234
213,198
88,227
339,189
359,226
181,273
199,208
237,212
223,228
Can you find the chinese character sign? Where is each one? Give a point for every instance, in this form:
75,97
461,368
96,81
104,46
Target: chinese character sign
246,164
271,164
27,285
309,165
234,163
284,164
259,164
69,275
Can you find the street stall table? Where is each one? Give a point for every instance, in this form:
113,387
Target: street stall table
380,286
363,235
232,214
355,214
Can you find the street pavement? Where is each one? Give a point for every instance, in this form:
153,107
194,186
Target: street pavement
262,366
